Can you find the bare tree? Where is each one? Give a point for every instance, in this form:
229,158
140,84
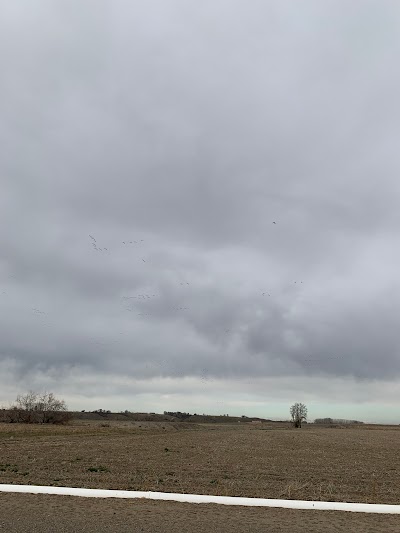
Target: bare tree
39,408
298,412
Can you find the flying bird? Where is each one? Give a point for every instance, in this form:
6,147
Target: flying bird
92,238
273,222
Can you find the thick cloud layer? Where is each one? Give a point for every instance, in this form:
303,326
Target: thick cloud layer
199,193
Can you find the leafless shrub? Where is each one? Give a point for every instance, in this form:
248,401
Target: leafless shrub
38,408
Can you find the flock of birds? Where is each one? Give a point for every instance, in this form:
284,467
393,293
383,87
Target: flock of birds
104,249
147,297
143,297
140,298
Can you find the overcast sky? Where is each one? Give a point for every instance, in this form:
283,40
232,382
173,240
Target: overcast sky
199,205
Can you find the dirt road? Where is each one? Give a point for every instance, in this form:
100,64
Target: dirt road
38,513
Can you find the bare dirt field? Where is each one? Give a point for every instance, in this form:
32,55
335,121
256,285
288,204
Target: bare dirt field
38,513
359,464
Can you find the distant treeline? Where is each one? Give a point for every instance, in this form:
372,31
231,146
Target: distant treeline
212,418
183,416
336,421
178,414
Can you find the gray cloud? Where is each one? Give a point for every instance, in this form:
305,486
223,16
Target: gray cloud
185,130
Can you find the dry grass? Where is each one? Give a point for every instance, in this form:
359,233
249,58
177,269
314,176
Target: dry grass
354,465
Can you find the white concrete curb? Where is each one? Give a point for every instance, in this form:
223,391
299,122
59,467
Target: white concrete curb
200,498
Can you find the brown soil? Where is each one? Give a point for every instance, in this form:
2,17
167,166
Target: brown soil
28,513
353,465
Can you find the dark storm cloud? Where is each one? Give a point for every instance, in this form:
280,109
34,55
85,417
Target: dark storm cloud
147,153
